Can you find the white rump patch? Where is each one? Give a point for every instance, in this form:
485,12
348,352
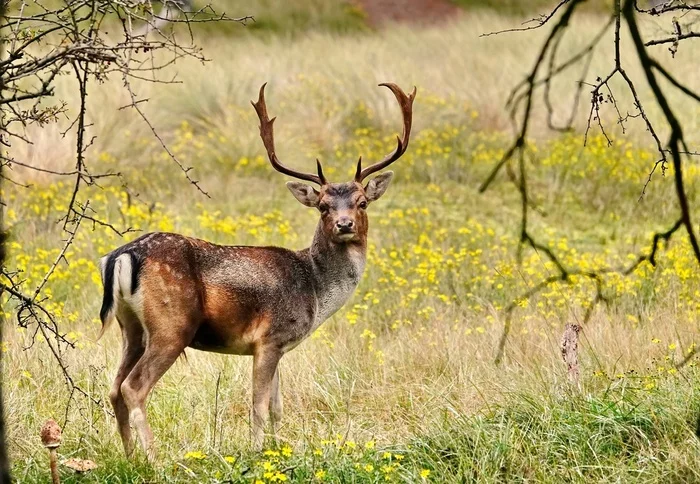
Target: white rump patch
121,290
123,270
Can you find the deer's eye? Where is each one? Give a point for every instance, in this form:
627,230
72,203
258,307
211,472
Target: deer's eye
323,207
363,204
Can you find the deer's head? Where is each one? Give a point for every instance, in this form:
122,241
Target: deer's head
342,205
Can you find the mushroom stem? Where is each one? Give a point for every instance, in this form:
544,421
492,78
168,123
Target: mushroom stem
51,438
54,466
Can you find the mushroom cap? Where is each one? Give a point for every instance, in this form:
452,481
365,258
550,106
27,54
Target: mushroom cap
80,465
51,434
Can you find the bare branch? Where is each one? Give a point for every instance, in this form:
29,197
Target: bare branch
521,106
69,39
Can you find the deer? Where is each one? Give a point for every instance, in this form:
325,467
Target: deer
169,292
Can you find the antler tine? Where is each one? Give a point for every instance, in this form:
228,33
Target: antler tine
406,104
268,139
319,168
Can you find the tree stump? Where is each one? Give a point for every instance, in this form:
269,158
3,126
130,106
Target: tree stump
569,352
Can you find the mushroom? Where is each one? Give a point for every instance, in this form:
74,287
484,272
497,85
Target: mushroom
51,438
80,465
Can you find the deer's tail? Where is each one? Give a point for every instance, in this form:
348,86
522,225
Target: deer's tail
120,278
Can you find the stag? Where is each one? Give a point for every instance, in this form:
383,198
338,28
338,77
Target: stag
169,292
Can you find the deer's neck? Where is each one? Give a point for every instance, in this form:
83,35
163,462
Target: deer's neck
337,270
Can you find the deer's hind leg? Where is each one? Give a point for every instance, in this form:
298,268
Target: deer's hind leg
169,321
158,357
132,350
276,406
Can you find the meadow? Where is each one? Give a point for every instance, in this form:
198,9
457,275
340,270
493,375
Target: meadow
400,385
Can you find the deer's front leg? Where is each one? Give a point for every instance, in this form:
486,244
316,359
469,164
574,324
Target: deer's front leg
265,362
276,402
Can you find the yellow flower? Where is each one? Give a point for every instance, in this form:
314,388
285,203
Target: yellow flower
197,455
286,451
230,459
369,445
424,473
369,467
278,477
320,474
368,334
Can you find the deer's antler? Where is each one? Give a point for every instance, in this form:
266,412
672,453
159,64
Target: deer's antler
406,104
268,140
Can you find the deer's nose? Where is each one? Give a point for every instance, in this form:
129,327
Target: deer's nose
344,225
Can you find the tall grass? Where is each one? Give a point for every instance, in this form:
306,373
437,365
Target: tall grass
320,79
290,18
401,383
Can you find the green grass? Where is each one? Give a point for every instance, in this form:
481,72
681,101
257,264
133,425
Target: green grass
615,435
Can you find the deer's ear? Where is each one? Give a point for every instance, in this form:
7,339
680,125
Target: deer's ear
304,193
378,185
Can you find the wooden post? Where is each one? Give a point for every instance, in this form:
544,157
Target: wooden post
569,352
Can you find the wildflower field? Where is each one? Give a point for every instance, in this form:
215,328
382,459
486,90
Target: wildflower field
400,385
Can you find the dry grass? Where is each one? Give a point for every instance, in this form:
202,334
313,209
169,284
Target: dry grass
317,79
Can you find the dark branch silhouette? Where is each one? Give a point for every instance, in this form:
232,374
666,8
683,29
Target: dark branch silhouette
77,39
522,102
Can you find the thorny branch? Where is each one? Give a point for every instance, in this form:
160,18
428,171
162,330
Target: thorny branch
32,312
547,67
43,43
